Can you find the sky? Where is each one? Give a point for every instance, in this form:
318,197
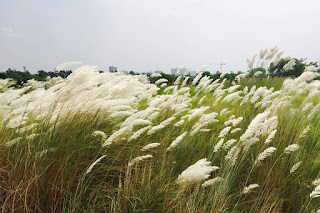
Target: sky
149,35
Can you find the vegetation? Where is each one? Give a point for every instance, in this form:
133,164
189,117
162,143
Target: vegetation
103,142
20,78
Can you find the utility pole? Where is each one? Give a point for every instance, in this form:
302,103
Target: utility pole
221,65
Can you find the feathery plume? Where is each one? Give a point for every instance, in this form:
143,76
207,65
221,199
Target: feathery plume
291,148
212,181
150,146
138,159
155,75
197,172
266,153
235,130
95,163
249,188
177,141
218,146
295,167
66,65
99,133
224,132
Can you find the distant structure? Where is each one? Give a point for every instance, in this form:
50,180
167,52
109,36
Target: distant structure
125,72
193,73
182,71
158,71
112,69
220,64
24,69
173,71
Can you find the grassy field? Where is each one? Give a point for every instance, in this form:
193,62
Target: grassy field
116,143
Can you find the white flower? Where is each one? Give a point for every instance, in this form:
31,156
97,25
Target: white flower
266,153
229,143
67,65
218,146
224,132
155,75
270,137
138,159
155,129
95,163
289,66
116,136
177,141
99,133
235,130
256,74
249,188
160,81
197,172
291,148
212,181
295,167
163,85
150,146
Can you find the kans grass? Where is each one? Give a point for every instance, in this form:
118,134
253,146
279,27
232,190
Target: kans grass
101,142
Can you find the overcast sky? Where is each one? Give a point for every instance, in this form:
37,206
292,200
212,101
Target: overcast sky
149,35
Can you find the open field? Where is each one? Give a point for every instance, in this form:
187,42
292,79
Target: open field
116,143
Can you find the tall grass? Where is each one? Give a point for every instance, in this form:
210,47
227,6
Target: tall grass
54,160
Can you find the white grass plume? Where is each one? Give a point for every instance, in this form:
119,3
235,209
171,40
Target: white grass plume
138,159
197,172
224,132
67,65
266,153
138,133
95,163
177,141
291,148
249,188
295,167
212,181
218,146
115,136
99,133
150,146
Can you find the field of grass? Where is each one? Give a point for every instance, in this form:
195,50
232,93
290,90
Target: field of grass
100,142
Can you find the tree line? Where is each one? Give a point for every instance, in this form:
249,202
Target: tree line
21,77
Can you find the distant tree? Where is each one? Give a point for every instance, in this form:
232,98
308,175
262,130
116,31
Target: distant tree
254,71
42,74
22,77
206,73
278,69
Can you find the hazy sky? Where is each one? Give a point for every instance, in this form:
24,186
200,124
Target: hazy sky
149,35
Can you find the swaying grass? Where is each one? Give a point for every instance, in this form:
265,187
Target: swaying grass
114,143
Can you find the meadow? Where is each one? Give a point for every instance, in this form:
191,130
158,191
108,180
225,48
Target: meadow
108,142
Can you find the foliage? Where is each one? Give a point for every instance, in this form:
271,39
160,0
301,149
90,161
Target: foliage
22,77
277,69
250,145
